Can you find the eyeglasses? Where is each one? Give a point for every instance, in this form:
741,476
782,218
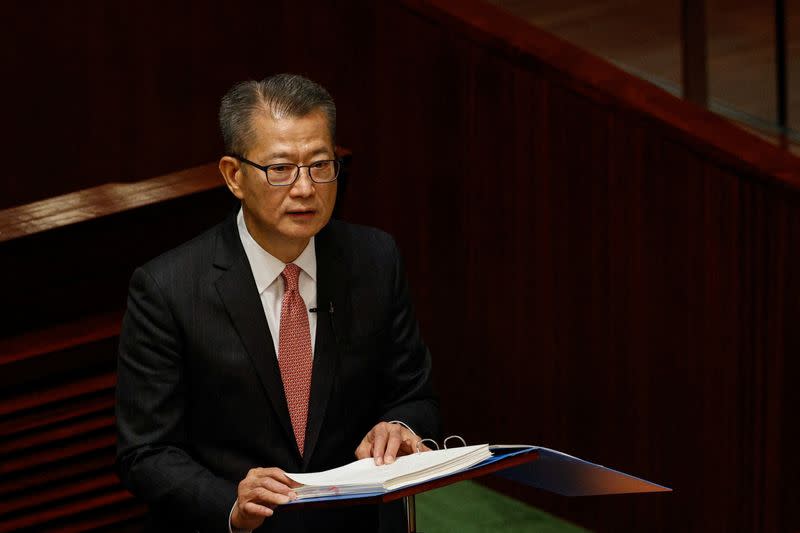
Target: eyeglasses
285,174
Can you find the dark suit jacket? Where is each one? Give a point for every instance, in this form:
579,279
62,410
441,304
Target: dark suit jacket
200,399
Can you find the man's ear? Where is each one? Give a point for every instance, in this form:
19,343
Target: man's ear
231,171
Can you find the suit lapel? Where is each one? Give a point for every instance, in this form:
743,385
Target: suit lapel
333,305
237,289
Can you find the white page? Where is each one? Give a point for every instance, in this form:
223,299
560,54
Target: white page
366,472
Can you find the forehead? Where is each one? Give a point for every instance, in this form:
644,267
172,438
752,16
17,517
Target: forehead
289,135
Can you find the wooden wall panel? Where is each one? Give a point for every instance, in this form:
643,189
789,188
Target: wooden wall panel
103,92
604,266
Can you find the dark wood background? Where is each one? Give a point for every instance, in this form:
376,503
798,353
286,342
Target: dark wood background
598,267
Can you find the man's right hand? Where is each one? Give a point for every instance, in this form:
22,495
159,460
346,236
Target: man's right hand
259,493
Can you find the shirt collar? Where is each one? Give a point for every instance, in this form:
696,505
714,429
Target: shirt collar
265,266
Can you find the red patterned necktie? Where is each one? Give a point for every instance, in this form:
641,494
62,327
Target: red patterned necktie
294,353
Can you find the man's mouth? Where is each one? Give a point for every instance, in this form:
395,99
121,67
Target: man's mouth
301,212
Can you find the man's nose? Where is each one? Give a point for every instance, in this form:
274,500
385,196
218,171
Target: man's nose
303,185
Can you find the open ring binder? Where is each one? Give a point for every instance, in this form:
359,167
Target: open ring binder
365,482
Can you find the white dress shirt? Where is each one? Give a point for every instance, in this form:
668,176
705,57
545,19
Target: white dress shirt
269,283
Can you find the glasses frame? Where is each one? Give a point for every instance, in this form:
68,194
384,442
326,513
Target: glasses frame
265,168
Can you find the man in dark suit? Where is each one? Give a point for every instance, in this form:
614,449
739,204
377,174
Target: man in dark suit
278,341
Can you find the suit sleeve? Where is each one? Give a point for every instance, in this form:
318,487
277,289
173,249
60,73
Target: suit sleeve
153,459
407,375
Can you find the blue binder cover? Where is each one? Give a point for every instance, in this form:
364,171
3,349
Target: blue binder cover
552,471
566,475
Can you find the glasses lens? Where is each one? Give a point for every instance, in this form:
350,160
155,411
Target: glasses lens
324,171
281,174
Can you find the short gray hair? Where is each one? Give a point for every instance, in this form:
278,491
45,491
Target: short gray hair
282,95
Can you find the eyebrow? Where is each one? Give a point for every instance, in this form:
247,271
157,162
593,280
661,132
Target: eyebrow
287,155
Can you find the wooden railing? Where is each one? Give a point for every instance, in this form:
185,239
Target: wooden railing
58,351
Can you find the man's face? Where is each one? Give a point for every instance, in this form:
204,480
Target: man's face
285,218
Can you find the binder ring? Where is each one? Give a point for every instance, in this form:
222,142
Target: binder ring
400,422
429,440
463,442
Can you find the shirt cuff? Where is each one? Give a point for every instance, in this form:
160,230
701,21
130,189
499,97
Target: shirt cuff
232,529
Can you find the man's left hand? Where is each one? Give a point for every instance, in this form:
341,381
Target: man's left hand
386,441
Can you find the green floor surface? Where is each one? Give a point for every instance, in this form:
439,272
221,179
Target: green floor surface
468,507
